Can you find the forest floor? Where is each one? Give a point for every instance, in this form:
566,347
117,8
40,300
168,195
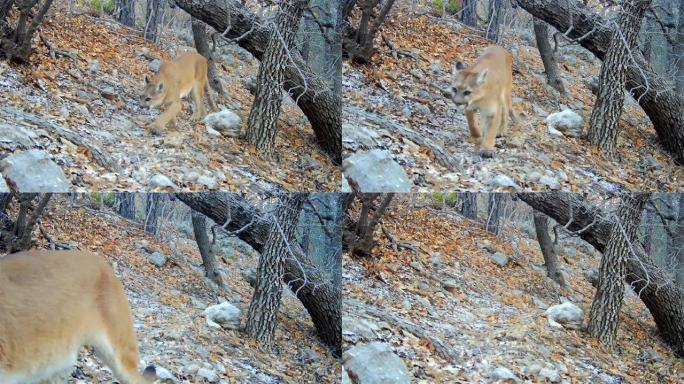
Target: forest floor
92,90
442,285
168,301
397,99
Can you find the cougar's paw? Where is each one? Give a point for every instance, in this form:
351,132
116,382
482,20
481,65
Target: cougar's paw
486,153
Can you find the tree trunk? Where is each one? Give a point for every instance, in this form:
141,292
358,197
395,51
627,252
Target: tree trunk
469,13
678,50
126,202
152,213
206,248
199,32
541,34
321,106
661,103
541,227
263,116
679,242
359,43
605,309
153,20
127,12
654,286
603,124
263,309
361,239
15,42
469,207
497,13
494,213
15,235
321,297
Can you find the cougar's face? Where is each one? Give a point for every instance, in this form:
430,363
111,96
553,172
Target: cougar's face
153,94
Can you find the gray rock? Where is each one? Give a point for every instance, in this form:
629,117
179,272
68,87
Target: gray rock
592,276
358,136
549,375
33,171
3,185
566,315
162,181
502,180
346,188
308,356
250,82
227,122
15,136
650,356
550,182
250,275
345,377
568,122
569,59
592,82
503,373
93,66
500,259
207,374
375,171
157,259
165,375
358,328
208,182
224,315
155,64
421,109
539,110
375,363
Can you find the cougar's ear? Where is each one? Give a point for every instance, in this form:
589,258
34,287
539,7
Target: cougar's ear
160,86
482,76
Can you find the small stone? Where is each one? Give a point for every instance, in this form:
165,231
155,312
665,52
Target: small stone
502,180
162,181
155,65
500,259
224,315
208,182
208,374
157,259
503,373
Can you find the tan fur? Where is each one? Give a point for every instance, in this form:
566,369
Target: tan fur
54,302
486,87
175,80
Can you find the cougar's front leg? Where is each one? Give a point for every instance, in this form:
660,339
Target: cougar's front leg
170,114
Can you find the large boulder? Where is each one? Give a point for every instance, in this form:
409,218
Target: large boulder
33,171
566,315
224,315
568,122
375,171
375,363
226,122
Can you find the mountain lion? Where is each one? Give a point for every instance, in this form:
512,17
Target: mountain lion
486,87
173,81
54,302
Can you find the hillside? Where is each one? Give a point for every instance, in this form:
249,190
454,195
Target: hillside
438,298
79,101
168,301
396,104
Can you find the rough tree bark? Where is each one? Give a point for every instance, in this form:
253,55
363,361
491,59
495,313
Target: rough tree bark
497,13
678,50
263,116
469,207
541,34
153,20
15,235
152,213
206,248
359,43
321,298
263,309
126,12
679,242
494,213
126,204
15,41
469,13
603,124
655,287
541,227
360,239
322,107
659,100
199,33
605,309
